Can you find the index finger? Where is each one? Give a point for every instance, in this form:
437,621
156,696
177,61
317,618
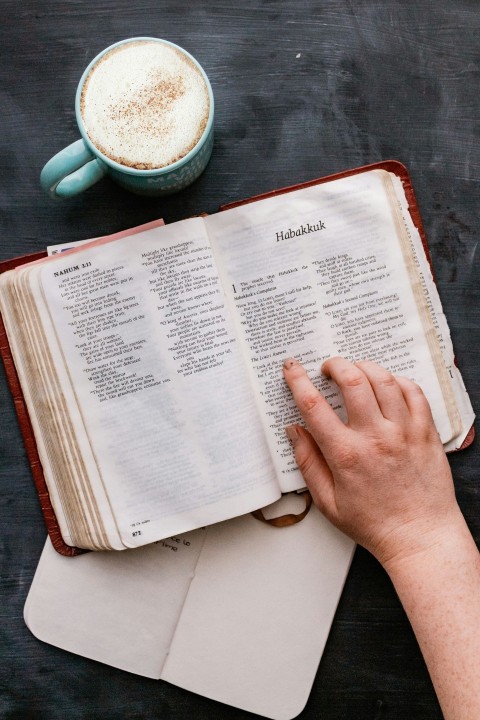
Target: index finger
323,423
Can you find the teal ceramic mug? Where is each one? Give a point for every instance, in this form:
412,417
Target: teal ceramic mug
82,164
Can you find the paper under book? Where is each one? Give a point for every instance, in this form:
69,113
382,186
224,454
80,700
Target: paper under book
151,366
239,611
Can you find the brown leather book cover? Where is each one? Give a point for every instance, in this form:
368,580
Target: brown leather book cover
51,522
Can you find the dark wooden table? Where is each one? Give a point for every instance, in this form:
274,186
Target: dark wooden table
302,89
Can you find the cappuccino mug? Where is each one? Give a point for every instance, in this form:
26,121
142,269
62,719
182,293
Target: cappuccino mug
144,108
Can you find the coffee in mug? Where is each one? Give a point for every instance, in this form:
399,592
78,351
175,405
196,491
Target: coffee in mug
144,105
144,108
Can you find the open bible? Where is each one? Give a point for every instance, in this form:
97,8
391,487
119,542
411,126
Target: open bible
151,365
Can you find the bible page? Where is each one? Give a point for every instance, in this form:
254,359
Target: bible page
75,489
65,456
159,380
320,272
428,291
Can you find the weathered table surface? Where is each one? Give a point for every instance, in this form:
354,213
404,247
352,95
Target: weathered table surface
302,89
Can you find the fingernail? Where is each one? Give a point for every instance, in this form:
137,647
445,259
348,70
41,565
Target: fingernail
292,433
288,363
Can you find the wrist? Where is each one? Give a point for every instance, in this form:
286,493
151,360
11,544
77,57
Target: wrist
423,549
417,540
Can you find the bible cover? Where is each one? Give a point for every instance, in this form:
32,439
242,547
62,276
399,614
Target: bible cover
58,543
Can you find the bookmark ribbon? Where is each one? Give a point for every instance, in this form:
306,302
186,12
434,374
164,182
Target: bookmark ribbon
289,518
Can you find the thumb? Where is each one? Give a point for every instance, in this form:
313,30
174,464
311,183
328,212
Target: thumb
314,468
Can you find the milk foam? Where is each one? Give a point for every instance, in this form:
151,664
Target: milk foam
145,104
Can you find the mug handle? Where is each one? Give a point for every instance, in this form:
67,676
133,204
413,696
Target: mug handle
71,171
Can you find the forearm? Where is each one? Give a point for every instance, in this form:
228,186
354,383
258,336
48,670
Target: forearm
439,588
384,479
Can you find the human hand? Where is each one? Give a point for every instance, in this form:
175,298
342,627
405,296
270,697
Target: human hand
383,477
